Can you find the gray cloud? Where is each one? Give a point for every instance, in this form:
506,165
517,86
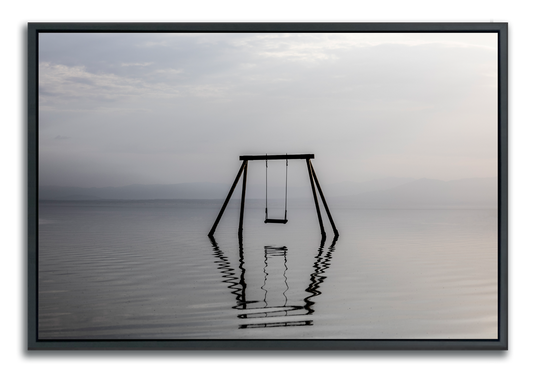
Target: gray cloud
169,108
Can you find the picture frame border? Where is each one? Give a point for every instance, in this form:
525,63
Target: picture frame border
47,24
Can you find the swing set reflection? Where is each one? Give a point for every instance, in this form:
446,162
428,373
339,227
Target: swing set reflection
275,308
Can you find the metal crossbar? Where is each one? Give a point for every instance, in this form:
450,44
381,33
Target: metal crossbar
276,157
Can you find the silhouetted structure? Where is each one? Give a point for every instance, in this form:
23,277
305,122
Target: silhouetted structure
312,178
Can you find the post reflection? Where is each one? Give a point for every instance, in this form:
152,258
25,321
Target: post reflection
274,306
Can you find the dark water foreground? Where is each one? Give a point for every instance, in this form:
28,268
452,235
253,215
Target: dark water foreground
146,269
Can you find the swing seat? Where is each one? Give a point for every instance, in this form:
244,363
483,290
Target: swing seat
270,220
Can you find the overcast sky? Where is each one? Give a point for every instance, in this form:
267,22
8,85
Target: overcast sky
120,109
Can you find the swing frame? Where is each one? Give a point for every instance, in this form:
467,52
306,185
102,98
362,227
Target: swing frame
312,178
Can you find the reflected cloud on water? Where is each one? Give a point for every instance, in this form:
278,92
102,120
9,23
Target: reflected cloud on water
274,307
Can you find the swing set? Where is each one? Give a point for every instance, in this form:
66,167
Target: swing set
312,178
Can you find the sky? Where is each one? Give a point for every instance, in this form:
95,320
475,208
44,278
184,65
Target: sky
120,109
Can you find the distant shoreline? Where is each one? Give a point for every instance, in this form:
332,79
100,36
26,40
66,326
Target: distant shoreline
296,203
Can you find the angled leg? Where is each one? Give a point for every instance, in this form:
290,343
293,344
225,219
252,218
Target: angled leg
227,199
316,200
324,201
241,218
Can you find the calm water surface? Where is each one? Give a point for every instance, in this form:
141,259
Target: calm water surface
146,269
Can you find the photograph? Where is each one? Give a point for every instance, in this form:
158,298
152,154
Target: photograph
267,186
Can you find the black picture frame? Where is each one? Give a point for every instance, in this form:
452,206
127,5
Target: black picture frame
28,351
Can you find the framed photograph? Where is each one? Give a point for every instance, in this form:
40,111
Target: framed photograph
267,186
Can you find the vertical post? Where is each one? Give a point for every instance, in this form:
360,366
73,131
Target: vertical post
309,169
227,200
241,218
324,201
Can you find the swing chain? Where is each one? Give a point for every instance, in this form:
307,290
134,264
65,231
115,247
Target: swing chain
266,187
286,179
